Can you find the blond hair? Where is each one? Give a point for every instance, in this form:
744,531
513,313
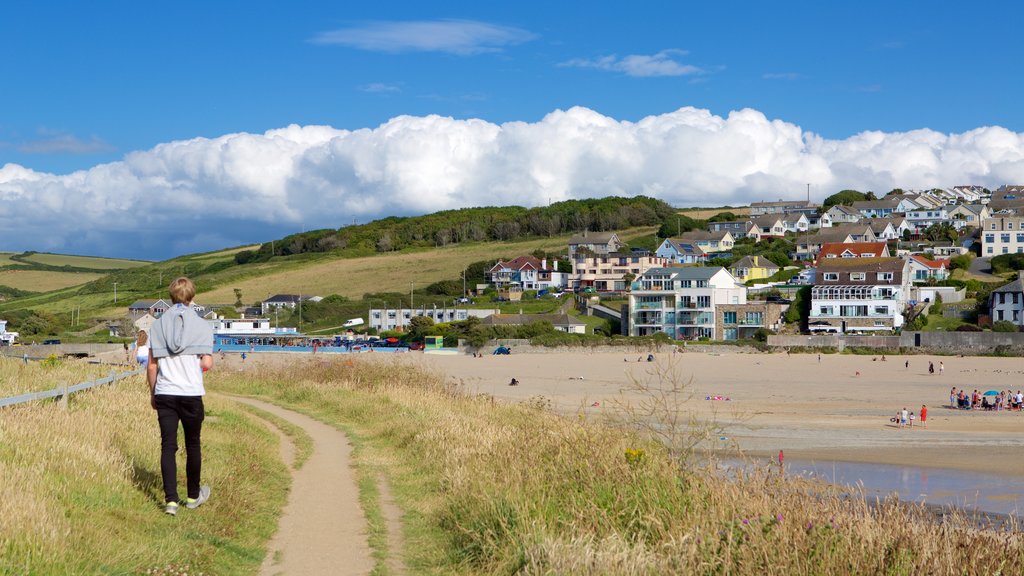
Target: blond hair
142,338
182,290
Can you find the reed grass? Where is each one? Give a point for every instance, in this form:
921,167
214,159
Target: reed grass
493,488
83,494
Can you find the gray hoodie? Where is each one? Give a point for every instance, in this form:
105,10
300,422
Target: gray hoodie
180,331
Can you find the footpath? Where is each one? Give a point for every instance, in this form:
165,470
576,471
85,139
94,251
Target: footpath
322,529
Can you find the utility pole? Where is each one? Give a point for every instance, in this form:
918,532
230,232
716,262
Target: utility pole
410,295
808,192
463,282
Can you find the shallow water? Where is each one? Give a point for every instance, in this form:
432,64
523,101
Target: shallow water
990,493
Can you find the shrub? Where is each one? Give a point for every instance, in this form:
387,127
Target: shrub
968,328
1004,326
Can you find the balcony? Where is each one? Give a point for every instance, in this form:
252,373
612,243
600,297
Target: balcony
649,305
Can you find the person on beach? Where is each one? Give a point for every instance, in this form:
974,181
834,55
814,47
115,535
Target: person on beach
907,364
931,368
953,398
924,416
514,382
941,368
910,422
181,349
903,418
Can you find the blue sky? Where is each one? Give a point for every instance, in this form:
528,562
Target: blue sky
90,85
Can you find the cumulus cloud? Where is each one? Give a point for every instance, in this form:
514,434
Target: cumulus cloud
238,188
663,63
462,37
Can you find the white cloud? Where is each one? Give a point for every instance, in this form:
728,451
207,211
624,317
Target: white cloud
238,188
661,64
379,88
781,76
463,37
55,142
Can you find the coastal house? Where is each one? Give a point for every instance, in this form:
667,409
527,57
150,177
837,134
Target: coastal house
795,222
808,246
924,269
608,272
680,302
883,228
709,241
816,220
969,194
738,228
840,214
963,215
770,225
742,321
6,338
853,250
1007,303
779,207
154,308
398,318
279,301
753,268
1007,197
881,208
561,322
1002,234
678,252
594,243
859,295
529,272
921,219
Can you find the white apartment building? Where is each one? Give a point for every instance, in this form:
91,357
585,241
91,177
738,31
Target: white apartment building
1002,235
681,301
607,272
398,318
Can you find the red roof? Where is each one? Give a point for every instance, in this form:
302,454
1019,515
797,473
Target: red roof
937,264
520,263
858,249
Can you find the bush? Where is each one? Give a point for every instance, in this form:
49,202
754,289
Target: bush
962,262
1004,326
968,328
1007,263
244,257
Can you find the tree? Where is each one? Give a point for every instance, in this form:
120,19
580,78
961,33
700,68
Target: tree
419,326
844,197
1004,326
238,297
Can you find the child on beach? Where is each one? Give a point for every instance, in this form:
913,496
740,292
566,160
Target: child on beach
924,416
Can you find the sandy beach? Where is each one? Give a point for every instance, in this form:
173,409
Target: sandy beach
812,410
821,411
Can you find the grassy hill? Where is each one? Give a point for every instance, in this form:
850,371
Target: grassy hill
45,272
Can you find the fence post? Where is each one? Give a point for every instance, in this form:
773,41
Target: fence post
64,396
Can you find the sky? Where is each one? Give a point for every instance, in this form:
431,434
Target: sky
150,131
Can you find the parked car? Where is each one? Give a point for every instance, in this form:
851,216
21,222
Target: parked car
51,341
415,345
465,300
778,300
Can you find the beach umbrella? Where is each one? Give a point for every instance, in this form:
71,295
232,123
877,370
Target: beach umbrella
992,393
391,339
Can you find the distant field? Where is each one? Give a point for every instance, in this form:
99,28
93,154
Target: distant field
5,258
43,281
83,261
705,213
383,273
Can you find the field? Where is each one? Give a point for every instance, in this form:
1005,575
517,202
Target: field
84,261
5,258
44,281
705,213
17,377
354,277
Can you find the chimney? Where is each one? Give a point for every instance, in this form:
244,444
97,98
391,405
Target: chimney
544,263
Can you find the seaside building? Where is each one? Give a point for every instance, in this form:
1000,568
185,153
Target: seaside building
398,318
1007,303
6,338
529,273
1002,235
680,301
610,272
780,207
679,252
753,268
859,294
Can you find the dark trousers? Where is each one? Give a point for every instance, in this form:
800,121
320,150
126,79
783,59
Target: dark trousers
189,411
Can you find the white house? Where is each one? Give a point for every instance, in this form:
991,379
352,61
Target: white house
529,272
881,208
6,338
795,222
594,243
1002,235
738,229
279,301
817,221
969,215
925,217
923,269
710,241
398,318
681,301
883,228
770,225
859,295
1007,303
840,214
779,207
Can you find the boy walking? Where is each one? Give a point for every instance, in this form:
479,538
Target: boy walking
181,349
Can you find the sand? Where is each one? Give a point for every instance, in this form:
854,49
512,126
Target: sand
812,410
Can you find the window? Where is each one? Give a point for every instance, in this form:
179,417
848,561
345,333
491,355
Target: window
883,310
1006,250
990,238
988,250
885,276
729,317
1020,237
834,276
857,276
880,323
1004,238
1009,225
993,226
754,318
686,284
824,310
703,301
702,283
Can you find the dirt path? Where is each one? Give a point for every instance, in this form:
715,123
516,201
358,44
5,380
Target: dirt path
322,530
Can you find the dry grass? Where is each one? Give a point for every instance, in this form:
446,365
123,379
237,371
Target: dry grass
704,213
43,281
354,277
85,261
5,258
84,494
491,488
18,377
